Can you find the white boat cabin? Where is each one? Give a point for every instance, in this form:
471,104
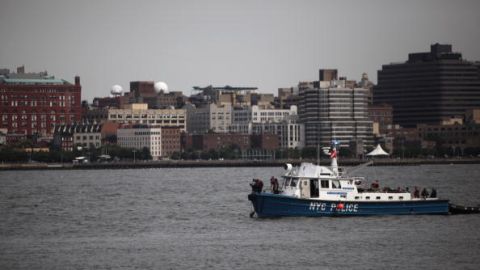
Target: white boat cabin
309,181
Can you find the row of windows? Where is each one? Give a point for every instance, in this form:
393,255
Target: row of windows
144,139
90,137
35,103
147,133
378,197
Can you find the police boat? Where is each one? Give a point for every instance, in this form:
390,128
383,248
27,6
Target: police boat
313,190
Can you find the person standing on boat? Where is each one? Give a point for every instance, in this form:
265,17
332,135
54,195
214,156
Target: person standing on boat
416,193
375,185
434,193
274,185
257,185
424,193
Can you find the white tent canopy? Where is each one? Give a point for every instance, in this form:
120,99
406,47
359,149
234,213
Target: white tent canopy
378,151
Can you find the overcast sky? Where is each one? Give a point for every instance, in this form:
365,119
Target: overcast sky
268,44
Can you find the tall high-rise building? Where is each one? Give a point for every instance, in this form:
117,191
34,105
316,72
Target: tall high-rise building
329,111
34,103
429,87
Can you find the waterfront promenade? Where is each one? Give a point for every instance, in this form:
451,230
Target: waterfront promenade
226,163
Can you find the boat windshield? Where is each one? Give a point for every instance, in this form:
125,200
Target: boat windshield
336,184
290,182
287,182
294,181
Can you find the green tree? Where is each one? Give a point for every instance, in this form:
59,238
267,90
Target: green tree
213,154
10,154
145,154
176,155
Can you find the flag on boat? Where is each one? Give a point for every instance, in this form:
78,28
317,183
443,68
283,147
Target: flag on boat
333,153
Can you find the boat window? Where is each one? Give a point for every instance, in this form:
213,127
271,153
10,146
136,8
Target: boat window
314,188
390,197
401,197
287,182
294,181
378,197
357,197
335,184
367,198
324,183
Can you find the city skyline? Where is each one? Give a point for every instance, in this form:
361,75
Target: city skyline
270,44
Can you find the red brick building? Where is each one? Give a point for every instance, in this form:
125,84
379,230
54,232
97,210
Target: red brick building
265,141
170,140
216,141
33,103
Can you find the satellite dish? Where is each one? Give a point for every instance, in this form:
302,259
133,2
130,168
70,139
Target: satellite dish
161,87
117,90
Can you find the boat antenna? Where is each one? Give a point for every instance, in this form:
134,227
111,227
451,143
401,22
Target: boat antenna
318,154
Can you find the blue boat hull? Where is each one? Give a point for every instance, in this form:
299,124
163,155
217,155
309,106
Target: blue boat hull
274,205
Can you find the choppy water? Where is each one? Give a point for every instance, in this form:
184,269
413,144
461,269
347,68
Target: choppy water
198,219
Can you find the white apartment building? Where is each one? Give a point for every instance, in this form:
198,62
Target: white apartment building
216,118
335,112
260,115
87,135
282,122
140,136
140,114
290,133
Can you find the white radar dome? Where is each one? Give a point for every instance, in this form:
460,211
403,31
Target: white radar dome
161,86
116,90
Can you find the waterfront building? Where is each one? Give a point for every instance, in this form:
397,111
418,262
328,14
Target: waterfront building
429,86
170,141
290,133
138,137
281,122
243,142
454,135
216,141
66,137
141,114
211,118
33,103
256,114
331,111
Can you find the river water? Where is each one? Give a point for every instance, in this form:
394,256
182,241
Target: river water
199,219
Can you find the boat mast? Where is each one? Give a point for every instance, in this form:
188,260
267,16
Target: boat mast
333,156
